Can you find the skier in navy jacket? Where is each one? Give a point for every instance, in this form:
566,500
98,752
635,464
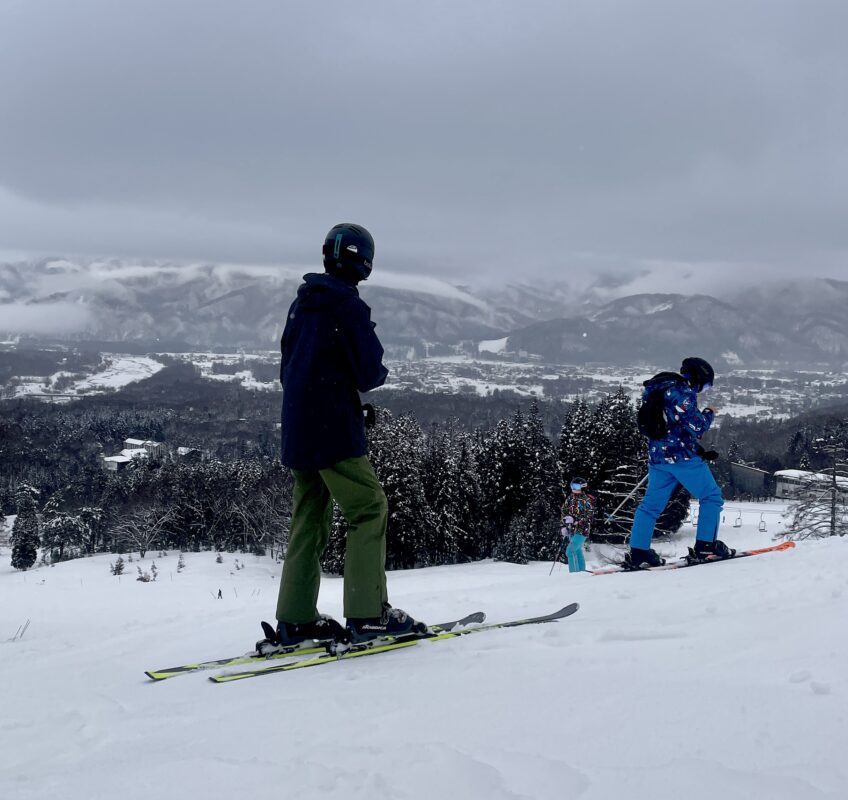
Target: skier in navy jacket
330,353
677,458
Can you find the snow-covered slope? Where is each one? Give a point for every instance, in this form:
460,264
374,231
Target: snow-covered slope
727,681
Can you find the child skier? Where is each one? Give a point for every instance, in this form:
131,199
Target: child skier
670,419
578,511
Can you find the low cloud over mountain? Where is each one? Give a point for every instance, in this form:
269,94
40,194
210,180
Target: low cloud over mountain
209,306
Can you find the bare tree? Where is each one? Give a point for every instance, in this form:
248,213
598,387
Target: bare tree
143,527
821,508
274,514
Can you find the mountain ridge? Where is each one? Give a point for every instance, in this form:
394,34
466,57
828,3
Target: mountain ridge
207,306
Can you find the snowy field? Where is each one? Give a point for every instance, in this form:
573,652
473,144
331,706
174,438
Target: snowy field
726,681
115,372
779,397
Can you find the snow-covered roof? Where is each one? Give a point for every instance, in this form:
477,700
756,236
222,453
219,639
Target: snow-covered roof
804,475
134,442
134,452
118,459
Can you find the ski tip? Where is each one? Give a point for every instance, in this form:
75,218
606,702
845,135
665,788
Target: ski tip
157,676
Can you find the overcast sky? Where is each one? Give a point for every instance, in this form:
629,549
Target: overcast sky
658,138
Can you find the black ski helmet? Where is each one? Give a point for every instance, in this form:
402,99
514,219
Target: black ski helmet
579,483
348,251
697,372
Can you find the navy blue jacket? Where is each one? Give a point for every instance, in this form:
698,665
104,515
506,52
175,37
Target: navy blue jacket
329,353
686,424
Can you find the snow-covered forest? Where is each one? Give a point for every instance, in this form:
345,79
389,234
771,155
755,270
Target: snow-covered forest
454,496
456,493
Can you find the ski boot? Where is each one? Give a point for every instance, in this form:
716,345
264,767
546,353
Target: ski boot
391,624
709,551
639,558
290,635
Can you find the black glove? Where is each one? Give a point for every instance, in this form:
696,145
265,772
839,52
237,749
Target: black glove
707,455
370,415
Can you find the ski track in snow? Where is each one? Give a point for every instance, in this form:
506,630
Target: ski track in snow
724,681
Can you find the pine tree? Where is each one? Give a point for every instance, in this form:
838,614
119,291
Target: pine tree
452,490
675,512
513,546
396,447
438,483
25,532
545,489
576,450
619,497
62,532
467,504
505,475
733,451
619,463
332,561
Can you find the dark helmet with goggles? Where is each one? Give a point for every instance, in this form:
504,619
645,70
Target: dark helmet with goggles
348,252
698,373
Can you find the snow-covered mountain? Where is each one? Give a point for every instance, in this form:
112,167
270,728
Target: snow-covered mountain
207,306
659,327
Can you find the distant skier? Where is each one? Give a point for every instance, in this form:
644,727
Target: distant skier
578,513
330,352
670,418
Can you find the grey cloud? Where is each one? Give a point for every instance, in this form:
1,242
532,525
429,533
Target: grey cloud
43,318
471,137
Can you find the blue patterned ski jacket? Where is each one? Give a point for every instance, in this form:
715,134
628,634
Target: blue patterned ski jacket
686,423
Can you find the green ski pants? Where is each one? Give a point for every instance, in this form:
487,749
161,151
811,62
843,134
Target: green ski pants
354,486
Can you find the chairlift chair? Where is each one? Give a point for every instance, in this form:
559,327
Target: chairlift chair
762,524
737,523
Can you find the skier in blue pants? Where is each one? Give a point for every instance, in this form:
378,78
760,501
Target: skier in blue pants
578,512
574,553
670,418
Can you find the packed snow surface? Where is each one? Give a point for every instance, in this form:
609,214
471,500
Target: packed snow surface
724,681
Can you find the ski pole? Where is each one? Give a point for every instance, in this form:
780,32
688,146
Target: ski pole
621,504
556,557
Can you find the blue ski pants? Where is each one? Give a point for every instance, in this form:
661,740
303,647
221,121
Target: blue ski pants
697,479
574,553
